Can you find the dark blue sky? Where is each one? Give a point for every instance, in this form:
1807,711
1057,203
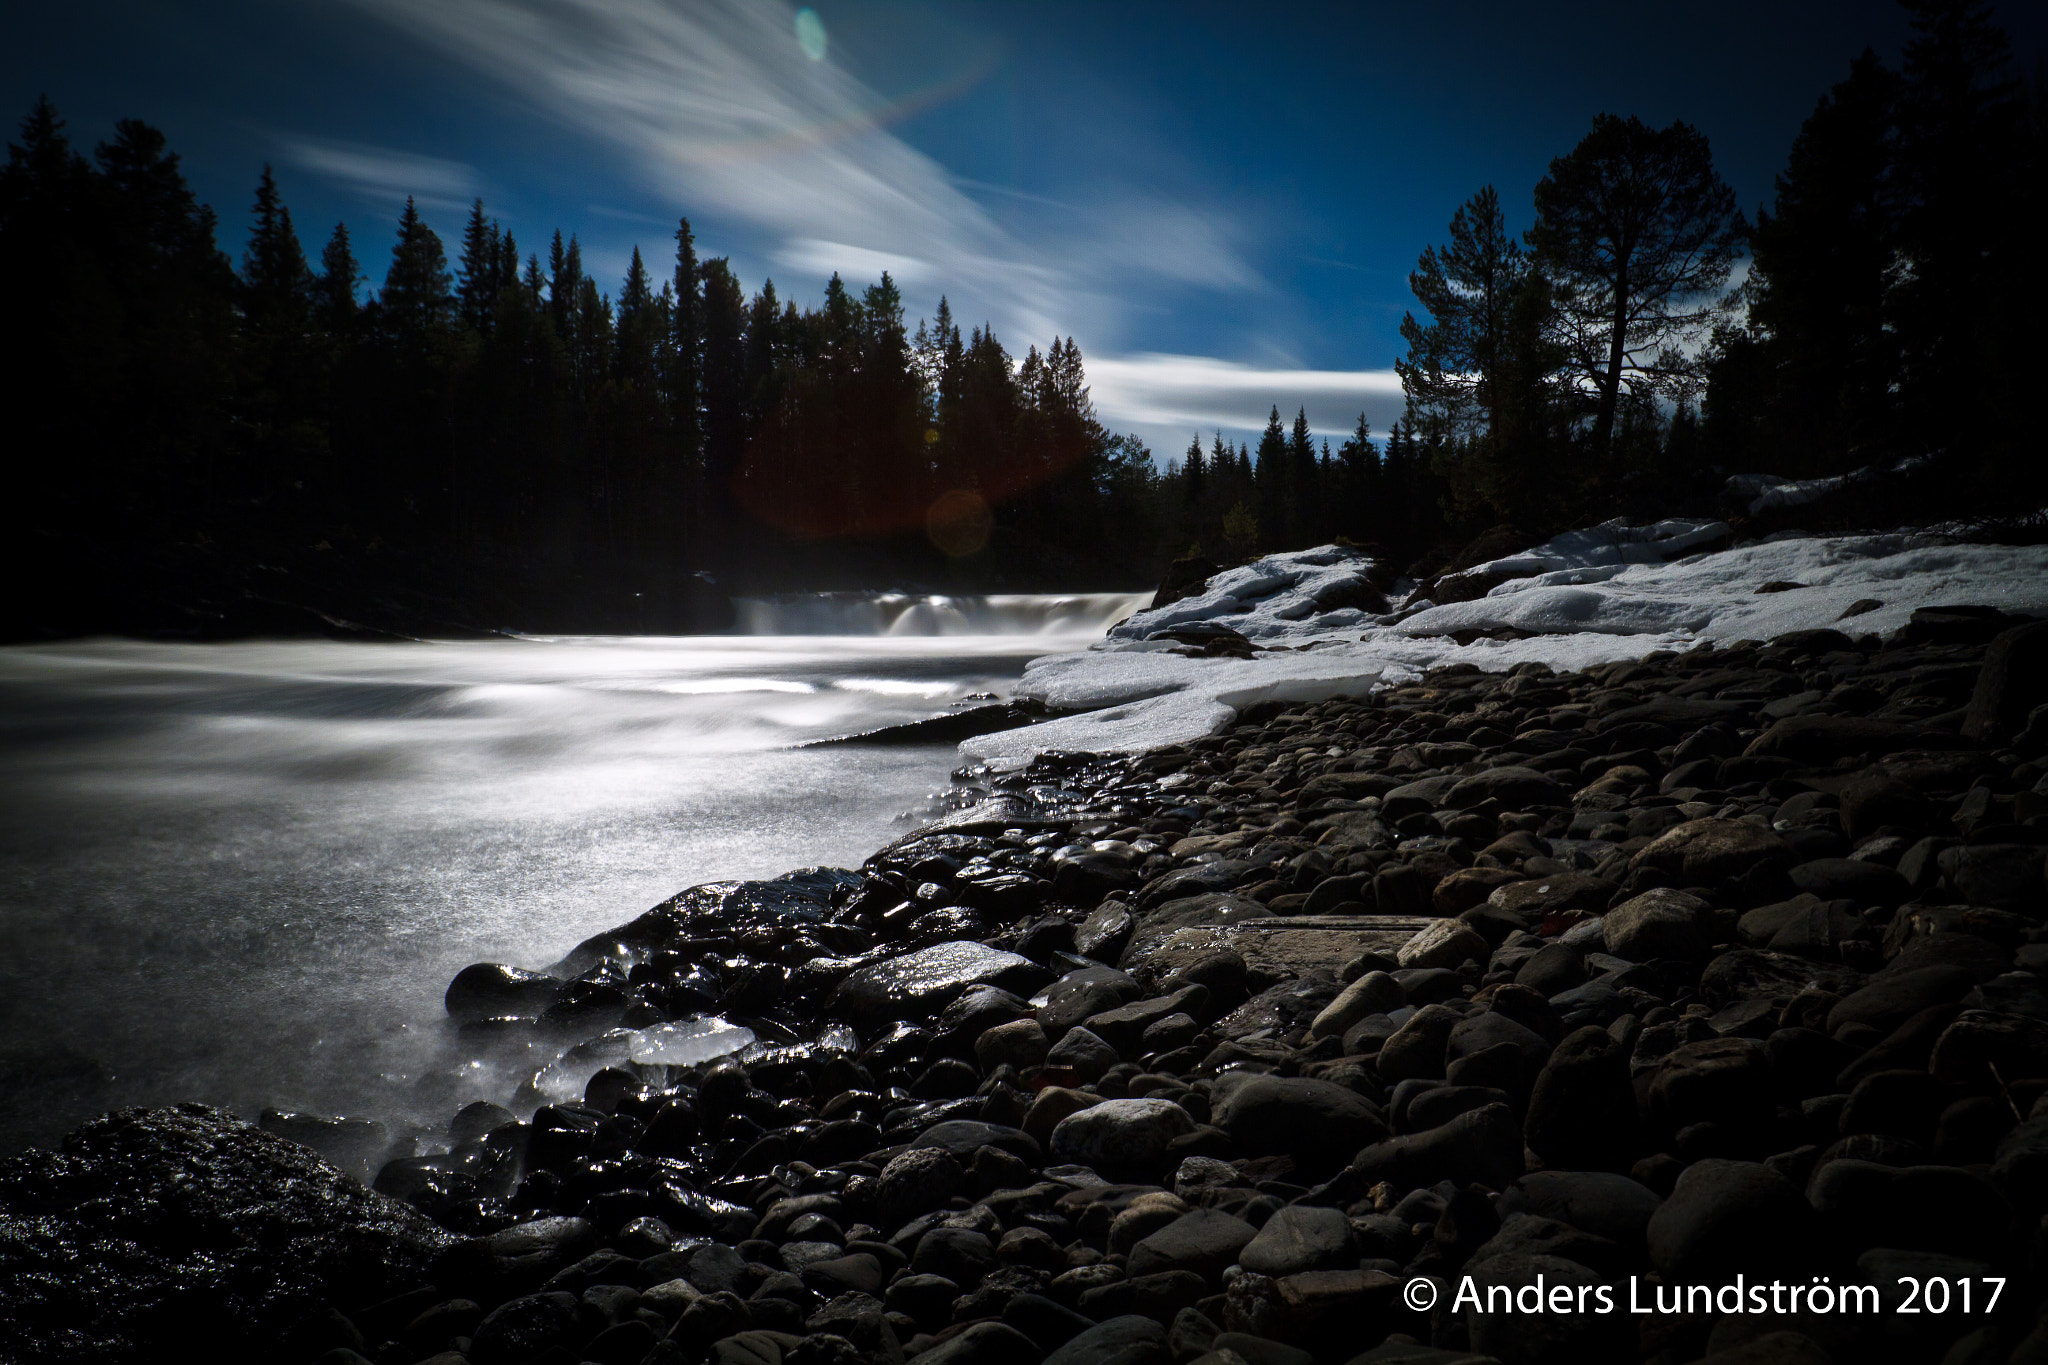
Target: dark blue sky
1220,202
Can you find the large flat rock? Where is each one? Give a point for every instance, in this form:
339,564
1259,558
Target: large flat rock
1281,945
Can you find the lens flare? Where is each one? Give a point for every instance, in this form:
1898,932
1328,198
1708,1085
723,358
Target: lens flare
810,34
959,522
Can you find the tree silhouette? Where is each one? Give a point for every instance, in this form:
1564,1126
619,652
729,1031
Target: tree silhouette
1637,234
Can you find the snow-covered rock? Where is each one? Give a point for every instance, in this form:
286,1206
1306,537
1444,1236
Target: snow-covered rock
1596,596
1301,594
1608,545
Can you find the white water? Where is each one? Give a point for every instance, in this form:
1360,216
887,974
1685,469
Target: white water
905,614
244,873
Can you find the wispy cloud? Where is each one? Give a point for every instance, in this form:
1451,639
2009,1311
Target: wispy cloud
384,173
1166,394
721,108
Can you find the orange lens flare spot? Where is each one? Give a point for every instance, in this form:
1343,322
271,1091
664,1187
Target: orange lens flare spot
959,522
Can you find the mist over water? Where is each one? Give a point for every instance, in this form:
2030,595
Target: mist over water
894,613
244,873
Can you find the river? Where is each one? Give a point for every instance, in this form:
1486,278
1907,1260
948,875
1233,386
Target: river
244,873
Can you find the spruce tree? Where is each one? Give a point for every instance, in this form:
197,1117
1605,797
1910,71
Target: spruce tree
1966,243
1304,487
336,288
1823,260
417,300
479,271
1274,486
277,283
686,365
1466,287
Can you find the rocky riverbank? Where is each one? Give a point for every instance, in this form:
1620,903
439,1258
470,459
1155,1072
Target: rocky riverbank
1708,964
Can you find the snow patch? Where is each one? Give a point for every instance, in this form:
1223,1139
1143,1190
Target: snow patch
1602,597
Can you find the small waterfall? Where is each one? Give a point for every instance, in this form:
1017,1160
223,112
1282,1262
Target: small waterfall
895,613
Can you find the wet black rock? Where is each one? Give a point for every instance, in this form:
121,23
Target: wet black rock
166,1225
920,984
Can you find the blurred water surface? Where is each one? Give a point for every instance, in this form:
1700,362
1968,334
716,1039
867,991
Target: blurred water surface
244,873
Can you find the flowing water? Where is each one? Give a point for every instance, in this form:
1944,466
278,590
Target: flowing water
244,873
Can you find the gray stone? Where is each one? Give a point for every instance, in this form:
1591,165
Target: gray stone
2011,682
1373,993
1301,1237
1021,1043
1582,1108
1077,995
1659,924
1203,1241
1600,1202
1708,851
1416,1051
1125,1340
920,984
1445,943
1890,999
1519,1338
1088,1055
1483,1146
1516,788
2004,876
1733,1217
522,1329
1314,1120
1120,1134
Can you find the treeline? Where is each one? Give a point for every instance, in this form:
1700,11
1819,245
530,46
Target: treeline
1607,362
501,420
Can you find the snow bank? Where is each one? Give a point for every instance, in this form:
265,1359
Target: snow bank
1715,597
1597,603
1610,543
1304,594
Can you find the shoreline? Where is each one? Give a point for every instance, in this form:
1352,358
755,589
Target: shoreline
1520,932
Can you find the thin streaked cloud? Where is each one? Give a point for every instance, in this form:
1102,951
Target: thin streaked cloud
385,173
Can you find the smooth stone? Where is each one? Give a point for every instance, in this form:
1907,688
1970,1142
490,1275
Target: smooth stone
1300,1237
1725,1218
919,984
1603,1203
1120,1134
1481,1147
1657,925
1373,993
1202,1241
1315,1120
1445,943
1708,851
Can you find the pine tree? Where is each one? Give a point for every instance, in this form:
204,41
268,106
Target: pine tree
1965,241
416,300
1359,463
1273,484
1193,475
1466,287
336,287
640,327
1304,488
686,366
1823,257
479,271
724,380
277,283
1637,234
